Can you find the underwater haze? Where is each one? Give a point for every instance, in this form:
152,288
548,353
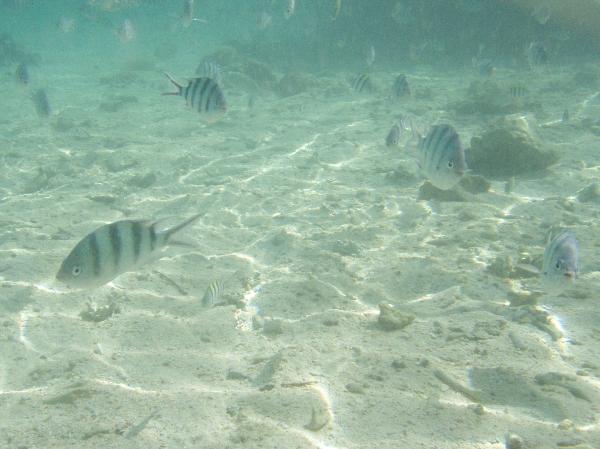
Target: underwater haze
303,224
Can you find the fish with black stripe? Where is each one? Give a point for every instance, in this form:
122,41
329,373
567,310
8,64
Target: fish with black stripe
202,94
213,293
362,83
442,156
114,249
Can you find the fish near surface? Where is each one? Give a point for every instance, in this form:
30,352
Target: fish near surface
442,156
561,261
114,249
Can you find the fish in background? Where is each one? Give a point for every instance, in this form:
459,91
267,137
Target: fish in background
561,260
126,31
485,67
362,83
565,116
22,74
209,69
537,54
517,91
370,56
114,249
66,25
338,9
213,293
264,20
290,9
441,156
187,16
541,14
202,94
41,103
393,136
400,88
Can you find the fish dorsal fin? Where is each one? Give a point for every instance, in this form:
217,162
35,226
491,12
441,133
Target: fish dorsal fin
167,233
179,86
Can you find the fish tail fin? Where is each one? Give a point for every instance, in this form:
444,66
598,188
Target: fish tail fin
170,231
179,86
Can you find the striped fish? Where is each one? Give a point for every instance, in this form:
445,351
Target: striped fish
362,83
41,103
561,260
209,69
517,91
202,94
442,157
400,87
393,136
114,249
213,293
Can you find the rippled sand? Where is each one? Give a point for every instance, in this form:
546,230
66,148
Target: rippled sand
312,223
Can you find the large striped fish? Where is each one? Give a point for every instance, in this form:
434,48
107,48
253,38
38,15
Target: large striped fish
561,261
442,157
202,94
114,249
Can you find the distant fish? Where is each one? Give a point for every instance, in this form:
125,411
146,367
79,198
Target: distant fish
541,14
393,136
66,25
362,83
486,68
290,8
566,116
251,101
561,260
22,73
338,9
264,20
371,56
114,249
517,91
213,293
537,54
202,94
187,17
126,31
400,88
41,103
442,157
209,69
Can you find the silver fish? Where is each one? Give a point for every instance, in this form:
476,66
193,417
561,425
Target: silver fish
362,83
202,94
187,17
393,136
442,157
561,260
400,87
290,8
114,249
213,293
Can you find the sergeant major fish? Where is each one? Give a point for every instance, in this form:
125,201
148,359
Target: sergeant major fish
561,260
393,136
442,156
213,292
362,83
202,94
41,103
114,249
400,88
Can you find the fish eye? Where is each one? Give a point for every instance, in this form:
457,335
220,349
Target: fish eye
76,270
450,164
557,265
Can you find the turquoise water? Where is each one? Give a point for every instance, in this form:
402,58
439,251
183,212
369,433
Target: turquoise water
350,304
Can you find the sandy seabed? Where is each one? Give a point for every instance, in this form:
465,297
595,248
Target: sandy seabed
311,222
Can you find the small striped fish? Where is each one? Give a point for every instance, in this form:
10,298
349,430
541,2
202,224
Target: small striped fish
517,91
400,87
442,157
114,249
393,136
213,293
22,73
41,103
209,69
561,260
202,94
362,83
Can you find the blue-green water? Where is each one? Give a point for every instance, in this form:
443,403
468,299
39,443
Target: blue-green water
329,296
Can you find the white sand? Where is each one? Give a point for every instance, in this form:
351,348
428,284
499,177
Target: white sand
306,219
